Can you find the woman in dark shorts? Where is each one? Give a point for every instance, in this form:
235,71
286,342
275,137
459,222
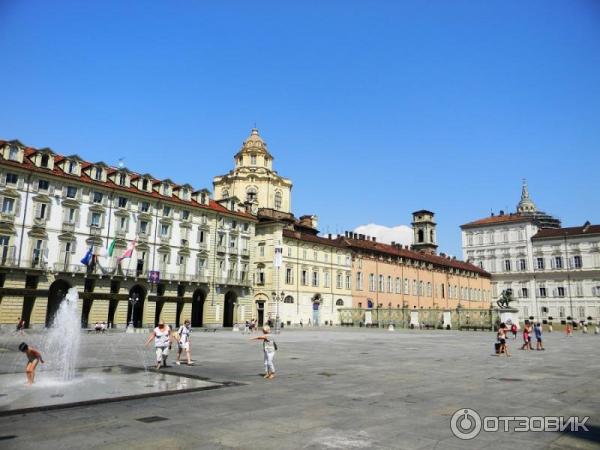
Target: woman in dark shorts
502,340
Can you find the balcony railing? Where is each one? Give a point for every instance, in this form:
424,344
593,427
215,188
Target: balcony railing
245,252
68,227
221,248
234,281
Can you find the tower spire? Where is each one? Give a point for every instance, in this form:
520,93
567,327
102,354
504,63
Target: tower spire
526,205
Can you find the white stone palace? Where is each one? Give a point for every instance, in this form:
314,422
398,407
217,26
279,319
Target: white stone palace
553,272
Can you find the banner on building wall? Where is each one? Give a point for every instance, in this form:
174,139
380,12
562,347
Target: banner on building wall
278,255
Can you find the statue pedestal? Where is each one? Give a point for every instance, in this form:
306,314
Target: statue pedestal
509,316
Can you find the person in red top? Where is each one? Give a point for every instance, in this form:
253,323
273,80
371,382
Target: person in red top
527,336
513,329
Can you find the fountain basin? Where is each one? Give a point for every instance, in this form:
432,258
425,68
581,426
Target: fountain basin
93,386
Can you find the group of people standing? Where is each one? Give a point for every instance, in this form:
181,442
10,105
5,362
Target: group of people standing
528,330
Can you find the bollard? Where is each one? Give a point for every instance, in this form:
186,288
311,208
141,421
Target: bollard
391,327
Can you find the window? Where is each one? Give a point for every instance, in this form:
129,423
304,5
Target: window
122,224
143,227
41,210
326,279
122,202
339,281
577,262
522,264
469,239
371,282
71,192
315,278
289,275
389,284
406,287
380,285
558,262
316,255
560,291
261,249
44,161
97,197
507,265
98,174
561,311
122,179
12,178
96,219
542,289
253,160
70,216
164,230
339,302
185,215
360,263
261,274
71,166
43,185
288,299
144,207
277,200
166,211
13,153
201,237
348,281
524,292
304,278
289,251
579,289
359,281
8,205
540,263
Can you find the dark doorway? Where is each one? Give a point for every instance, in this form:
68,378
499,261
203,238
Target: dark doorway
139,293
228,307
260,312
28,303
198,307
112,309
158,311
56,295
86,307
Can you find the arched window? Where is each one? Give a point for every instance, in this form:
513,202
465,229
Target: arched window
288,299
339,302
420,236
278,198
431,236
251,194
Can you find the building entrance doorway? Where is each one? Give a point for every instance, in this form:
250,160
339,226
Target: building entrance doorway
228,308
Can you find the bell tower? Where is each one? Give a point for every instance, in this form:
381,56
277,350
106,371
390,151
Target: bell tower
424,234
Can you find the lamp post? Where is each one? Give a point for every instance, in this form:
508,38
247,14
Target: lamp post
135,297
276,299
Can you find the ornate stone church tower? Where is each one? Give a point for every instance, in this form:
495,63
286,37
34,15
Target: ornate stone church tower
254,180
424,231
526,205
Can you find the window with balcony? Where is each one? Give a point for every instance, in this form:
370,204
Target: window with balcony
41,210
96,220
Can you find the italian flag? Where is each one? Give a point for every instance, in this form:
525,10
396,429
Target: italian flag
111,247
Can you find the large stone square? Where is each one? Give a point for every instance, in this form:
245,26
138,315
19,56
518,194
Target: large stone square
336,388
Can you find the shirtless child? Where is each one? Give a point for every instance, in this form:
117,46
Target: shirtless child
33,357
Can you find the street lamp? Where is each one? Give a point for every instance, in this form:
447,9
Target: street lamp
135,297
276,299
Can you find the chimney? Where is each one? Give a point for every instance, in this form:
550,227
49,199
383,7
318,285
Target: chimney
329,235
374,239
355,236
393,243
501,212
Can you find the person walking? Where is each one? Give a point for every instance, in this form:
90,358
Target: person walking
269,348
162,343
20,326
183,343
513,329
537,329
526,336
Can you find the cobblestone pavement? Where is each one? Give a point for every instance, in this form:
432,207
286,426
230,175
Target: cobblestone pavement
336,388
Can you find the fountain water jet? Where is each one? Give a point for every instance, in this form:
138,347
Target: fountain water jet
64,336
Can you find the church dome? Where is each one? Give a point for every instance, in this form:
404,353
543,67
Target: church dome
254,144
526,205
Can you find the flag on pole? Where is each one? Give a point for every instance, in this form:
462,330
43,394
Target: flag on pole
111,247
129,251
87,259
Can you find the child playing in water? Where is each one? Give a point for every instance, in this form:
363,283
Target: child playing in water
33,357
269,348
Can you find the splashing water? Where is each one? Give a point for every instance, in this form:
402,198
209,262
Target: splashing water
64,336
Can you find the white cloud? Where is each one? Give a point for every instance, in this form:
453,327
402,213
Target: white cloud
400,234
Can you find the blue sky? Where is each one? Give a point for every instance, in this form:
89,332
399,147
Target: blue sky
373,109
